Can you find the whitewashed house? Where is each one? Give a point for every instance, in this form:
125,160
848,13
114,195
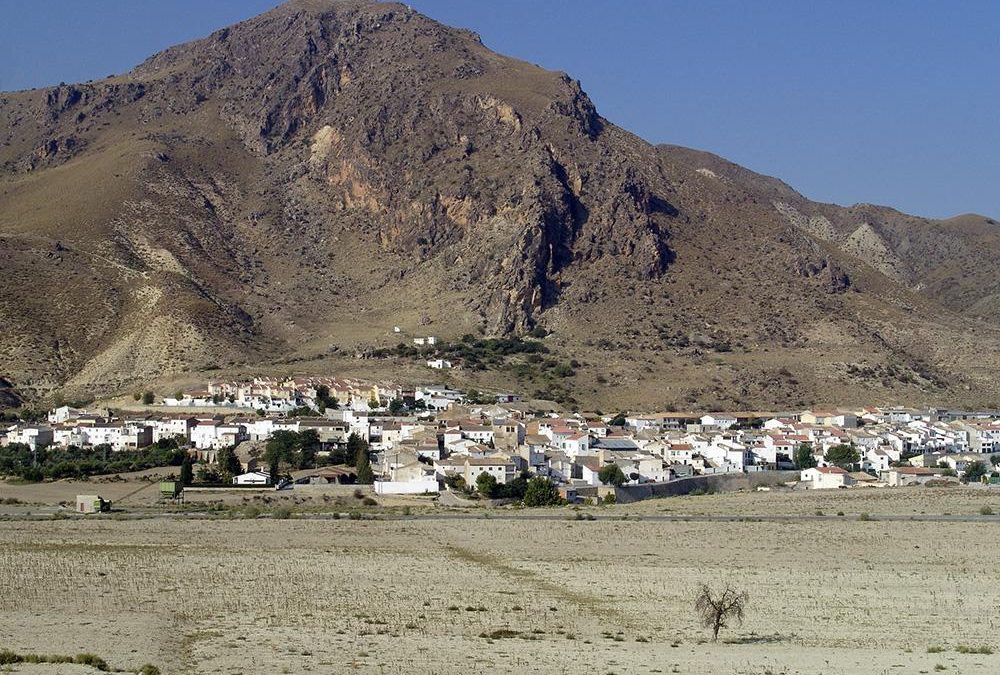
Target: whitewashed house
826,478
719,420
62,414
34,436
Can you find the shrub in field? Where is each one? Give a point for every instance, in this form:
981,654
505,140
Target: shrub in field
500,634
368,501
7,658
716,611
92,661
283,513
967,649
986,511
148,669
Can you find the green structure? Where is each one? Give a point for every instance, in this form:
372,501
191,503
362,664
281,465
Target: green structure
171,489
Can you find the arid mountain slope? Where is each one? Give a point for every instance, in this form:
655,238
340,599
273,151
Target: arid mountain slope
300,183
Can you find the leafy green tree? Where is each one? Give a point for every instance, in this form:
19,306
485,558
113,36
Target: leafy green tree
323,398
206,474
229,463
167,443
309,445
514,489
804,457
355,444
843,455
618,420
363,467
148,398
994,460
541,492
611,474
396,406
487,485
187,471
455,482
974,472
280,452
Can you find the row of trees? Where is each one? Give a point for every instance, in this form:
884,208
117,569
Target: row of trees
17,460
842,455
537,491
289,450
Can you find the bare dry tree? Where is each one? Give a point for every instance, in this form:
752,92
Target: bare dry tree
716,611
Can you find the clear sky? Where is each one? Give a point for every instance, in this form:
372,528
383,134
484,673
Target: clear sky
848,101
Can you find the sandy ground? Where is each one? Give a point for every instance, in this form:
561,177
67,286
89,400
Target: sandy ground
422,596
138,492
908,501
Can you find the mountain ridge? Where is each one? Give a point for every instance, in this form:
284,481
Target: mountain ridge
303,181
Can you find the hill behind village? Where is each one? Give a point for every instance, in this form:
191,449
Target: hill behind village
282,194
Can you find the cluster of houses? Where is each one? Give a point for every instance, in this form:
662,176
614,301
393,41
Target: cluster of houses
437,436
280,395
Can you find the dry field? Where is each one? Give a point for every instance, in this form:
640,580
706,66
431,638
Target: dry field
424,595
909,501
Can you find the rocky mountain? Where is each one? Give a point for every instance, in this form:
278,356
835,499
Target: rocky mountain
296,185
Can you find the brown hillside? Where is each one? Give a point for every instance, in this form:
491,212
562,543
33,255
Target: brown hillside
297,184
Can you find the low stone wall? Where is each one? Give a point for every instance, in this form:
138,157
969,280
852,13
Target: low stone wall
723,482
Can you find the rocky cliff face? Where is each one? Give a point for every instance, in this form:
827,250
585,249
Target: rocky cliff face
305,180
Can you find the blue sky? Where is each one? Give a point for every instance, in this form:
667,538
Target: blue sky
894,103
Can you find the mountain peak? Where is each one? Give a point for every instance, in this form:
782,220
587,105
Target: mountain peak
304,181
